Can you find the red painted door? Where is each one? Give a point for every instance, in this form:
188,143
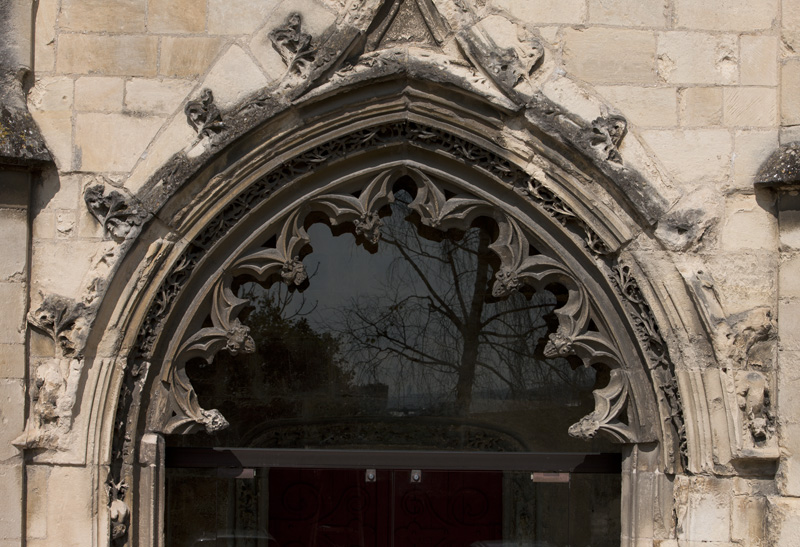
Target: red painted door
342,508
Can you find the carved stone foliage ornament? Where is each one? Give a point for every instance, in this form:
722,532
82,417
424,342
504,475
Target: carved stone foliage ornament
63,320
204,116
293,45
227,333
437,210
661,367
118,216
606,136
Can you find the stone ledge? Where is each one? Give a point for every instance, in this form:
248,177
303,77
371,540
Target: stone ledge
781,171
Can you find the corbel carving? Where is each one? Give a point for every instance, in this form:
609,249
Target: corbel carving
753,398
294,45
606,136
204,116
53,390
609,405
118,511
117,216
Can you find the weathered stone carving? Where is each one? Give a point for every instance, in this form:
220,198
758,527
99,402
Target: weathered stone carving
53,390
559,344
64,320
657,354
227,333
118,511
294,45
504,66
610,403
204,116
606,136
753,397
117,216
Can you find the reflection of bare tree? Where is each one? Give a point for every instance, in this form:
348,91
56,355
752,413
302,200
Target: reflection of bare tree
436,325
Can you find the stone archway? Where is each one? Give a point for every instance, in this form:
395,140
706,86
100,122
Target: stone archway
308,182
351,103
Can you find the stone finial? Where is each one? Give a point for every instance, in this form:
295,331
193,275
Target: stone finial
782,168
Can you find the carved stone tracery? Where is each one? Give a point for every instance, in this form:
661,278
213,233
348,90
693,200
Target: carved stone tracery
435,210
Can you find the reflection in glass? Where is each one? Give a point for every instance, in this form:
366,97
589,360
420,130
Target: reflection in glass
402,347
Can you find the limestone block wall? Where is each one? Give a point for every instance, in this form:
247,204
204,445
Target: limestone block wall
708,88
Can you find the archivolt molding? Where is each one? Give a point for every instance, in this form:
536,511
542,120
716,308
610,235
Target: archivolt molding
571,337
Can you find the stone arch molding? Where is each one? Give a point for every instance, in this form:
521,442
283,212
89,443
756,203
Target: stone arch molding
452,103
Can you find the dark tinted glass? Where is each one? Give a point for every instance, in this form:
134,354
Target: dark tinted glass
356,507
400,347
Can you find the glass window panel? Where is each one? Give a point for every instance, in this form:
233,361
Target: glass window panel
402,347
343,508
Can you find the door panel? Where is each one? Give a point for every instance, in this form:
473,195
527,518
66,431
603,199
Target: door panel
447,508
316,507
324,507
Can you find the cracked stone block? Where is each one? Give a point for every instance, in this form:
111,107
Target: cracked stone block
156,96
750,106
726,15
14,250
123,16
628,13
112,142
693,156
176,16
759,60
